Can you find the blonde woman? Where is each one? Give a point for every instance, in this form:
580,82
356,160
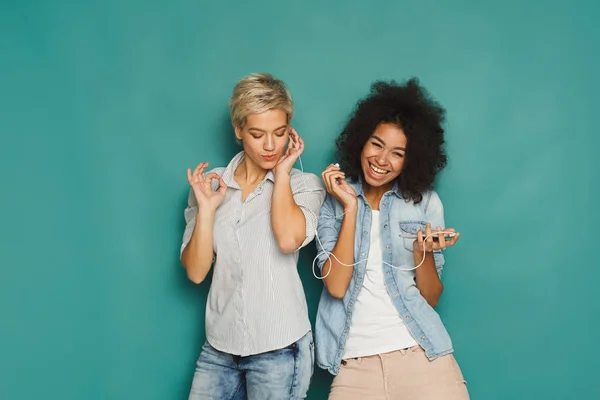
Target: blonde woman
247,221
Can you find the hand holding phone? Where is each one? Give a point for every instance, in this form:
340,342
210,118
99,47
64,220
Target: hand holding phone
434,240
434,236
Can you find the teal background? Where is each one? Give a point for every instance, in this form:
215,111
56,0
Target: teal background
104,104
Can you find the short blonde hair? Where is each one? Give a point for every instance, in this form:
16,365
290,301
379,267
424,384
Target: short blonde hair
256,94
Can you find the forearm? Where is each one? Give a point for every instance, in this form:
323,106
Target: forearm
287,219
337,274
197,256
427,278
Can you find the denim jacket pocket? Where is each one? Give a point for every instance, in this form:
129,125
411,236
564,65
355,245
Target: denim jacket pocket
411,228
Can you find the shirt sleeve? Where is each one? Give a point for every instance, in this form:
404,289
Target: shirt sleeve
328,230
190,220
434,213
309,193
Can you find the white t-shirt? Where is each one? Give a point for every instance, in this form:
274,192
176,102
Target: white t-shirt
376,325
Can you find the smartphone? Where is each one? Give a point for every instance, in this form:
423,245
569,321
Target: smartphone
434,235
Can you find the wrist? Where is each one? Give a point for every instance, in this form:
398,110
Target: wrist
351,207
418,249
282,175
205,214
350,214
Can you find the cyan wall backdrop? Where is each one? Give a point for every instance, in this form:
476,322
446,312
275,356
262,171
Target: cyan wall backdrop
104,104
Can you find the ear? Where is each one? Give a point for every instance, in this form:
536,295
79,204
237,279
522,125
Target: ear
238,132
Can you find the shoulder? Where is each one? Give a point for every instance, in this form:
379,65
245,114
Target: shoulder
356,185
431,201
305,180
219,171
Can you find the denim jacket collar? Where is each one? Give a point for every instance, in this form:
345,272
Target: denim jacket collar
357,185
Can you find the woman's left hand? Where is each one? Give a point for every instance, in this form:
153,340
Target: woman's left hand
289,158
432,245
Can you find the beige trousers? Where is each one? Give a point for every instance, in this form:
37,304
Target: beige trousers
400,375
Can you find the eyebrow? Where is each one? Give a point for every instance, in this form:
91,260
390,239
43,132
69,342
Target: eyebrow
263,131
382,142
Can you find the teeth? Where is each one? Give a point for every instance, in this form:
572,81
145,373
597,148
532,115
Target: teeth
379,171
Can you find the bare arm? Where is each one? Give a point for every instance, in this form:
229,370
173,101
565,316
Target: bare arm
428,281
287,219
197,255
427,277
337,275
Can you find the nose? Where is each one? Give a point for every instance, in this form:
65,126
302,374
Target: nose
269,144
381,158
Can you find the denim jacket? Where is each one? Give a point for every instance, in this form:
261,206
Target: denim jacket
397,216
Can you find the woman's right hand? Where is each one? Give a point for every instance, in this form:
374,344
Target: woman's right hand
337,186
202,186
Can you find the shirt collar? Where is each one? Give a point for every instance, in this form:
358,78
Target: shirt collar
358,188
232,166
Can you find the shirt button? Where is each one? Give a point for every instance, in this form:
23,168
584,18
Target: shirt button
407,316
387,247
362,254
422,338
396,294
385,226
384,204
388,272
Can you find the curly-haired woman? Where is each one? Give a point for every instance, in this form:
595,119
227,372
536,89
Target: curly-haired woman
376,327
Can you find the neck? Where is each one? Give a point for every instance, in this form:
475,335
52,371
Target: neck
249,172
374,194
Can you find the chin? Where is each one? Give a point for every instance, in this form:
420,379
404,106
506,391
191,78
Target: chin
268,164
374,183
262,163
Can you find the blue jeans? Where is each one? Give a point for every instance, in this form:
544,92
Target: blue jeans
279,374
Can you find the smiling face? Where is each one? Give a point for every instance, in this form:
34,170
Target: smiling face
382,157
264,137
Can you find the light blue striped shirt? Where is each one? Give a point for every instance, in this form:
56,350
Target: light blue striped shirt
256,301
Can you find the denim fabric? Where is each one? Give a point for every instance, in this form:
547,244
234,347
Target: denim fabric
279,374
397,216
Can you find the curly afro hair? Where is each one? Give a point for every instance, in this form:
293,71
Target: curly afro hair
410,107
